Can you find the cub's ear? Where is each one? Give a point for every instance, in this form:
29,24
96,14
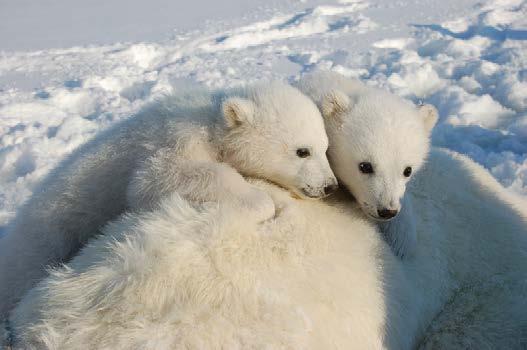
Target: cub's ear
430,115
334,103
237,111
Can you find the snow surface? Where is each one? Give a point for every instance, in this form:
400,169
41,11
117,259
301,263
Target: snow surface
69,69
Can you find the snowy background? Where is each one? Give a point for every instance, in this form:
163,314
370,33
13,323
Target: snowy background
69,69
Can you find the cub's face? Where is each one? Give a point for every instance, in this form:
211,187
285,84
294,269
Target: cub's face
377,143
278,134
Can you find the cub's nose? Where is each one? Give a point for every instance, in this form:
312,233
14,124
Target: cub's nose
386,213
329,189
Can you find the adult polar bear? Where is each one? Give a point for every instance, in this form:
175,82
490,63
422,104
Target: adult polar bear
317,276
191,143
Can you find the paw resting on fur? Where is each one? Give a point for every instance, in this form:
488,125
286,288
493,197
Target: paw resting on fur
257,204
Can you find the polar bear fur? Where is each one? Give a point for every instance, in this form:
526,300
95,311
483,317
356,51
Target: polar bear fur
182,278
197,144
370,125
317,276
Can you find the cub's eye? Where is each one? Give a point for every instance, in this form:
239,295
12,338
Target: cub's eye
366,168
303,152
407,171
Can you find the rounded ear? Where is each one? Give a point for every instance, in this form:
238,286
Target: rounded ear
430,115
334,103
237,111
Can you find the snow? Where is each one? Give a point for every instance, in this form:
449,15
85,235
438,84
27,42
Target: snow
70,69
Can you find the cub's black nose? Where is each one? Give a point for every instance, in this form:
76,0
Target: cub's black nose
329,189
386,213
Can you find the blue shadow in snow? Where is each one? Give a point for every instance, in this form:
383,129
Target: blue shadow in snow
72,84
42,94
485,31
294,19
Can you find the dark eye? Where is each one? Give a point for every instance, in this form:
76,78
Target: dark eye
407,171
366,168
303,152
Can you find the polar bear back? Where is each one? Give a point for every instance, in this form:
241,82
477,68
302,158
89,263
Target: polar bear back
181,277
320,278
82,194
469,268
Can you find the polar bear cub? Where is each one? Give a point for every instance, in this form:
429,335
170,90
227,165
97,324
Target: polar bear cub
378,142
197,144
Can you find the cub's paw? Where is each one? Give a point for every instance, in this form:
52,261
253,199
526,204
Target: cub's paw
256,204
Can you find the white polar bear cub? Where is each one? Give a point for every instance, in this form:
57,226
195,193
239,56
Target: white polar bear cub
377,142
193,144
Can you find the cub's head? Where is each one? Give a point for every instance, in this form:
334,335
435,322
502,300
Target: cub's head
377,143
276,133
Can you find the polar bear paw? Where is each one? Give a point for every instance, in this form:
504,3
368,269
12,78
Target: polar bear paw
253,204
258,205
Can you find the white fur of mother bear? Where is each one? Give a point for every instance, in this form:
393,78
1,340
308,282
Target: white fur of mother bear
179,277
318,276
195,143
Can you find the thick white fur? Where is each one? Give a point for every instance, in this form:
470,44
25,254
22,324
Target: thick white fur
209,279
480,238
365,124
192,143
318,276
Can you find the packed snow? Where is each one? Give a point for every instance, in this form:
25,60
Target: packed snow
66,73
